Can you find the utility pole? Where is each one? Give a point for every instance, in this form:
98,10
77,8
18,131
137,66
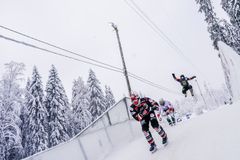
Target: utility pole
123,61
201,93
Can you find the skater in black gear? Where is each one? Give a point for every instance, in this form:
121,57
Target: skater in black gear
142,110
184,82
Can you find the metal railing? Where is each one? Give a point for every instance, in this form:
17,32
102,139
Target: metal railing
112,129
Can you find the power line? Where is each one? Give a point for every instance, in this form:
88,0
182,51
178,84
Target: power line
155,85
54,46
110,67
56,53
159,32
76,59
143,18
152,84
57,47
148,81
146,18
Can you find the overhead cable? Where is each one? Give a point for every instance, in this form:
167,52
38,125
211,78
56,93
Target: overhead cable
57,47
59,54
76,59
157,30
153,84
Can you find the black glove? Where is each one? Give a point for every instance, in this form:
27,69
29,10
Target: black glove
173,75
154,107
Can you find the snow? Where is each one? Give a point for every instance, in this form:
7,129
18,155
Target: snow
212,135
98,140
233,64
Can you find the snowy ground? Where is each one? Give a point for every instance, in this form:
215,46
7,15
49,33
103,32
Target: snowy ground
213,135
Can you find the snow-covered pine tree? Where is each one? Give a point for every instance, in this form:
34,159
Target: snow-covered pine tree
24,116
37,138
96,98
110,100
80,104
226,72
225,95
210,99
10,104
219,30
210,17
58,108
232,7
10,139
231,34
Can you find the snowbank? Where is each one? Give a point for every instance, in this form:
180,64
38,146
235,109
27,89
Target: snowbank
232,62
213,135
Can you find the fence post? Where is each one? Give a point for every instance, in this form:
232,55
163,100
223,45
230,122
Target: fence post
126,105
105,129
82,149
109,120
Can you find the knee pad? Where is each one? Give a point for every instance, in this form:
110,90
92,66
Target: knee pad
147,134
161,132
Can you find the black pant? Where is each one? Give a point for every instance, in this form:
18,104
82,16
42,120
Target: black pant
151,118
186,88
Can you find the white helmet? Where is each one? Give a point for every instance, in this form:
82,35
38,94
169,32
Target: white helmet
161,102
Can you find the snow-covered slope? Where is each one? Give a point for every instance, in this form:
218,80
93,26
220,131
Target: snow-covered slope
114,129
232,62
213,135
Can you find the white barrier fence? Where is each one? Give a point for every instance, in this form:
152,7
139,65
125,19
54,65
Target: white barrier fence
113,129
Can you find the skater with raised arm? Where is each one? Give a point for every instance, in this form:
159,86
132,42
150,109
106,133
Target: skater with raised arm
184,82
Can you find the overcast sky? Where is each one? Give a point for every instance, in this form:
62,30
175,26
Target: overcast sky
83,27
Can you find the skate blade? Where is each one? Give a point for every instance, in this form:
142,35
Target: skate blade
165,144
153,151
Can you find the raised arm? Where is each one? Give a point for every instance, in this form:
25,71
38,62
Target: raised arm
174,77
191,77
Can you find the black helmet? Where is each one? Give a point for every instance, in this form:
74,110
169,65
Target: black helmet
182,76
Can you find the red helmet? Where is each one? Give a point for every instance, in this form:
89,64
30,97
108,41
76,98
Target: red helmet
134,96
136,101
